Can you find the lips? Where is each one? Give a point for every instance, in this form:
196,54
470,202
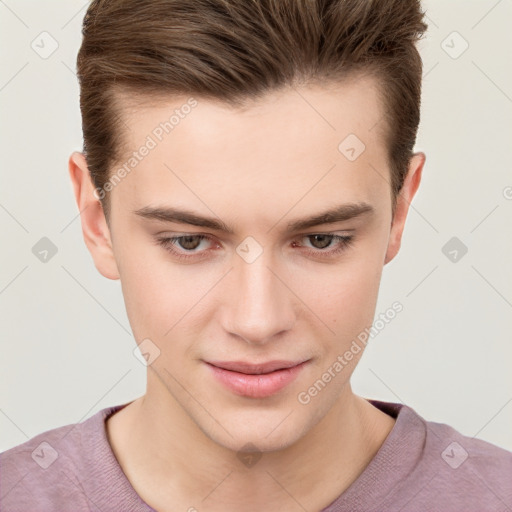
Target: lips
251,380
254,369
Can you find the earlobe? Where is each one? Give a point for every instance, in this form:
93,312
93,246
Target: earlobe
409,188
95,229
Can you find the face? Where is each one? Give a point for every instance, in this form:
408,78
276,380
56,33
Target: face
219,260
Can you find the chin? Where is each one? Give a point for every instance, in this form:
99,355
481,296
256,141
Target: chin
256,443
264,435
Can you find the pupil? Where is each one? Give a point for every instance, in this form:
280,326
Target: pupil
327,239
185,242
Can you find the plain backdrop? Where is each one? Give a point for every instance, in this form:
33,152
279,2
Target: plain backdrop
66,344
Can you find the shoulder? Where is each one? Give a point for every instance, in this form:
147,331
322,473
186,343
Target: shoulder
457,449
45,472
459,472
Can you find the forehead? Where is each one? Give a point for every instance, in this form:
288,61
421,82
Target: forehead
352,105
283,142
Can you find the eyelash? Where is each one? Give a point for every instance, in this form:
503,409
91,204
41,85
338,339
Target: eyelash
344,241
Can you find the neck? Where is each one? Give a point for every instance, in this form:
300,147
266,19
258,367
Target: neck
172,464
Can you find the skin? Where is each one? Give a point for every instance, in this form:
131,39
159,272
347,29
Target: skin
255,169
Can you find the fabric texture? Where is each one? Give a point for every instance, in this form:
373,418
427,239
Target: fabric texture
421,466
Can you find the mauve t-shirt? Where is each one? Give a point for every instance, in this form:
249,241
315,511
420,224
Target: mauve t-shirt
421,466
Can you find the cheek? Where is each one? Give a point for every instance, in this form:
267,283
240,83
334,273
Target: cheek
157,294
344,295
353,280
350,300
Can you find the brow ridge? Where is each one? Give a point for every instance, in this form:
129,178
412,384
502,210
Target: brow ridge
339,213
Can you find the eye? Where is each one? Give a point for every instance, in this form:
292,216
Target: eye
321,241
188,244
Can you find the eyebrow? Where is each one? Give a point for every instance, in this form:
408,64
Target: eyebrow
337,214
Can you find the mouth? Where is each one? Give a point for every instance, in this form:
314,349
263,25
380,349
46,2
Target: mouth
255,369
256,380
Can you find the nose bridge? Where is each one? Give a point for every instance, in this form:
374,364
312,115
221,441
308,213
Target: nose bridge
260,304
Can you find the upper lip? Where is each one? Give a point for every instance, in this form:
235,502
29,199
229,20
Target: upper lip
254,369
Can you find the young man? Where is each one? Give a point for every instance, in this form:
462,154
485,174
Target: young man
247,173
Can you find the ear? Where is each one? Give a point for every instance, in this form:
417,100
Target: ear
95,229
409,188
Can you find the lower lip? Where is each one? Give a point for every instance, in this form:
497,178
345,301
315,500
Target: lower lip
256,386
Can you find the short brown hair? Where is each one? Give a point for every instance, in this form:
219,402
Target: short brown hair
236,50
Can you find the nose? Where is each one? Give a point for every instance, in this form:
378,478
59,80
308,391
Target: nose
260,305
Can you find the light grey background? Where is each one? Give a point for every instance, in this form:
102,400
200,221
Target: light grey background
67,347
